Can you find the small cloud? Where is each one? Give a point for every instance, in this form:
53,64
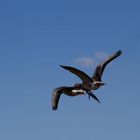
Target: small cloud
85,61
91,61
101,55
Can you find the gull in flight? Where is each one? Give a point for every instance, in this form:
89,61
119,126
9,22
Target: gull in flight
88,83
70,91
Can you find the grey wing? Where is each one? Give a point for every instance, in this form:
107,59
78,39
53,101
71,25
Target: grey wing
100,68
83,76
56,96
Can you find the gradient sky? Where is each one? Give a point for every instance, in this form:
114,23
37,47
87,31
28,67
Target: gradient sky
36,37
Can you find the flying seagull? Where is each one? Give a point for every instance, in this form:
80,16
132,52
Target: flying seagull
94,82
70,91
88,83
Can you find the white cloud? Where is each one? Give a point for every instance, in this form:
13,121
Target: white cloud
91,61
101,55
85,61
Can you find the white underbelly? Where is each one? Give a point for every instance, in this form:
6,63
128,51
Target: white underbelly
78,90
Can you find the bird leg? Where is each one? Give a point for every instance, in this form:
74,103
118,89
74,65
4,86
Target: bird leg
89,94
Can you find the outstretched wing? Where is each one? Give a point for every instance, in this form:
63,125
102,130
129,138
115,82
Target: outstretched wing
56,96
100,68
83,76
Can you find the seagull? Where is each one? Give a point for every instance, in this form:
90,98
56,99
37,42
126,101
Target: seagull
88,83
94,82
70,91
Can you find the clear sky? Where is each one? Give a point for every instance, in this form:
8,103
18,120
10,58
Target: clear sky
36,37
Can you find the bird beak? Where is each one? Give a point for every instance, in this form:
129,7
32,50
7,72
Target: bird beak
103,84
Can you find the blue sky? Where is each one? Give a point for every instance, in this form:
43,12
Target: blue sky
36,37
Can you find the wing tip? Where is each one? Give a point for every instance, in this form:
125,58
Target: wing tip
62,66
119,52
54,108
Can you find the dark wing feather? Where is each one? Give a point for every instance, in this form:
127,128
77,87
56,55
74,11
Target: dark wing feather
83,76
93,96
56,96
100,68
